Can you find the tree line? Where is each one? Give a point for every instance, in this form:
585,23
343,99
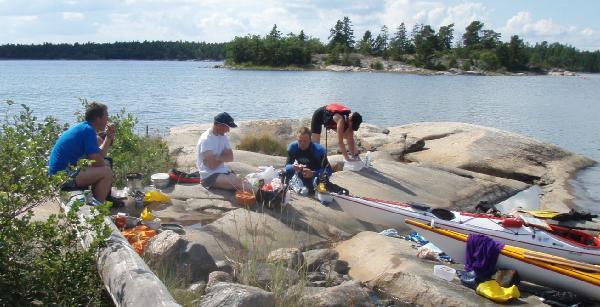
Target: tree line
146,50
477,48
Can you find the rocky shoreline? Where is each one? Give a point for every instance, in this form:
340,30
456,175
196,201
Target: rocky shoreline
367,64
449,165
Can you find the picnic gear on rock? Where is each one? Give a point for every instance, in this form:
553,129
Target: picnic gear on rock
177,176
558,275
481,255
492,290
160,180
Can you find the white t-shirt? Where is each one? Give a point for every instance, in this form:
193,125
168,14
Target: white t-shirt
215,143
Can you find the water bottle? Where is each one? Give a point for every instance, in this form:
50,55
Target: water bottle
368,159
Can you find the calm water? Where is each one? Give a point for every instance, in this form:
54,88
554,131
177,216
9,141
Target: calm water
561,110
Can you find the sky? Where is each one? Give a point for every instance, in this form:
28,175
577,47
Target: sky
572,22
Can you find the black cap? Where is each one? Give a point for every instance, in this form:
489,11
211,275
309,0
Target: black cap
225,118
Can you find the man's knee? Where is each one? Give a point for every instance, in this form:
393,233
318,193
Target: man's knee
106,171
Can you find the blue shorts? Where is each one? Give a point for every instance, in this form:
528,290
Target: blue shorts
209,181
70,184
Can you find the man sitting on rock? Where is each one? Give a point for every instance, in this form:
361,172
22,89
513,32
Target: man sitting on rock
213,151
79,141
307,158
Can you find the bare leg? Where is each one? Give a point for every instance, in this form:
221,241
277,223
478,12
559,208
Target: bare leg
316,138
99,177
229,182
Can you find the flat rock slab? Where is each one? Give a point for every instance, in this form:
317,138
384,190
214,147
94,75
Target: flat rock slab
391,264
390,180
501,154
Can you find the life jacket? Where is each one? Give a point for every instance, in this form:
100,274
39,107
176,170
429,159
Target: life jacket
331,110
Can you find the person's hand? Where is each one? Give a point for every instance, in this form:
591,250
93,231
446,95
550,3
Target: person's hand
110,131
298,167
307,173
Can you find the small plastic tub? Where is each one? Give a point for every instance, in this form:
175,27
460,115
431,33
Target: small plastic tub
154,224
324,198
160,180
444,272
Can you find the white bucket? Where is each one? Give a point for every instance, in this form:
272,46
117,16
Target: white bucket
160,180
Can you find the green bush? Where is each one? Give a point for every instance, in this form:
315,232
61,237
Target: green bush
466,65
377,65
263,144
41,262
490,60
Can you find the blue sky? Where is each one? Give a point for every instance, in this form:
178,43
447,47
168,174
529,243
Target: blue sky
572,22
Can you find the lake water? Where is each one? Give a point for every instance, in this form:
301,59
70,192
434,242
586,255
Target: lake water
561,110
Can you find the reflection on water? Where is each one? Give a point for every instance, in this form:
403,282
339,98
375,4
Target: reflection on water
528,199
587,189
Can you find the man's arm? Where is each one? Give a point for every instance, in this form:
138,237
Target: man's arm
227,155
105,143
98,159
289,163
339,120
211,160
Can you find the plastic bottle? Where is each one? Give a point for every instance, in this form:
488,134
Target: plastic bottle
297,185
368,159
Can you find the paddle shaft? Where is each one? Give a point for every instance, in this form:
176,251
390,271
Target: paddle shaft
561,260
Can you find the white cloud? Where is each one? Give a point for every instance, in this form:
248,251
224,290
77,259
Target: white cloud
546,29
72,16
221,20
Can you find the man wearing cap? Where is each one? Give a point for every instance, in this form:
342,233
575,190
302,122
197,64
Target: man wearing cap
213,151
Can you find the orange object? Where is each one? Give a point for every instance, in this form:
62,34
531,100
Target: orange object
514,222
245,198
138,237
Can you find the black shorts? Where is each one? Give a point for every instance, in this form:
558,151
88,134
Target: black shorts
316,123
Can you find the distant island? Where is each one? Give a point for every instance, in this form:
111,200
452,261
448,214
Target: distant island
423,50
479,50
146,50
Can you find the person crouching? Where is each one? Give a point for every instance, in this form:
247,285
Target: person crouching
307,158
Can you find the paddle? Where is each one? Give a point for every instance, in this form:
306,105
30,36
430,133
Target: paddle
560,260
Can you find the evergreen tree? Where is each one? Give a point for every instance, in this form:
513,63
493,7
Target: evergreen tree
490,39
445,37
471,38
365,45
399,42
425,44
348,33
380,46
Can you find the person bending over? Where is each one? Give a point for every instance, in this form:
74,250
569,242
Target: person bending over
80,141
306,158
341,119
213,151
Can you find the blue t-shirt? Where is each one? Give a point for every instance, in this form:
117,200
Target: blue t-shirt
75,143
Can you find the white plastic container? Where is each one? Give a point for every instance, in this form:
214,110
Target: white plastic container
154,224
444,272
324,198
354,166
160,180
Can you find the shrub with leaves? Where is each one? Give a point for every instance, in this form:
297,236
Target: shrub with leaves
40,262
263,144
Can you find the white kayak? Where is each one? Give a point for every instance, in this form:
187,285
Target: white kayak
547,272
560,241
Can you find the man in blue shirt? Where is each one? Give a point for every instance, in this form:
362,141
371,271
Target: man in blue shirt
307,158
81,141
